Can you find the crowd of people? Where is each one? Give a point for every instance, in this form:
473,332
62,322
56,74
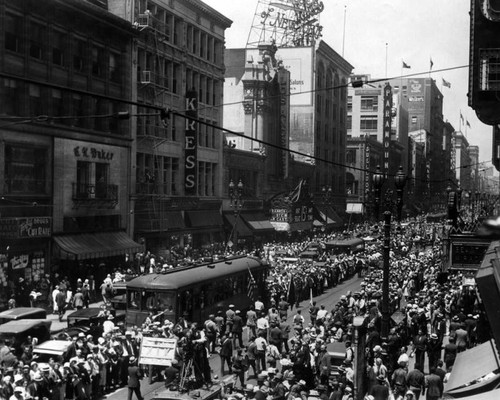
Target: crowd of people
277,349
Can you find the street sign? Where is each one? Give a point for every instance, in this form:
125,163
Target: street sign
157,351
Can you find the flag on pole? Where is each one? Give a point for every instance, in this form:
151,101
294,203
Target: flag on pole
461,117
251,286
431,63
406,65
467,123
446,83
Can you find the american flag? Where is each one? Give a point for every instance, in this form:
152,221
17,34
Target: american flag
251,286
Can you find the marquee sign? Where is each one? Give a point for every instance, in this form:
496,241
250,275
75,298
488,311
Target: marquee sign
284,124
387,121
467,252
191,145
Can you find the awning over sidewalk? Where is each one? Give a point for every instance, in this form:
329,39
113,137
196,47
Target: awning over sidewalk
473,364
257,221
241,227
96,245
328,215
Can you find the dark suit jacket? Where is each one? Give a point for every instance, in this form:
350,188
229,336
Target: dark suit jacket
226,349
134,376
434,385
380,392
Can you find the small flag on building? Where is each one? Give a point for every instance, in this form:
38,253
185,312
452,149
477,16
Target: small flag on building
406,65
251,286
446,83
431,63
461,117
467,123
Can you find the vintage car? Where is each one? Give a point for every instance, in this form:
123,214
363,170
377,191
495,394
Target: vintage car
88,321
22,313
59,350
17,332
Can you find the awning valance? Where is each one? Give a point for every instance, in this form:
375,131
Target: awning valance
205,218
463,374
258,221
96,245
241,227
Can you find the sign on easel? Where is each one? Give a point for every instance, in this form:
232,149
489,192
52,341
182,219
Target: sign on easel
157,351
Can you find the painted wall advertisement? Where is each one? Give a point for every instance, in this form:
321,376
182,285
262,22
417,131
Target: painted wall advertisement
299,61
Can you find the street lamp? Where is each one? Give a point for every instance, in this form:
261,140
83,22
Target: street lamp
385,279
327,197
459,198
236,203
400,181
378,181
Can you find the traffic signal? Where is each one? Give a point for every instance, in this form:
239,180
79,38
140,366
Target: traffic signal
484,52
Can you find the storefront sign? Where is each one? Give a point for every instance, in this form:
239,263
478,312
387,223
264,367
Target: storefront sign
280,215
92,152
367,169
387,120
467,253
284,124
25,228
191,145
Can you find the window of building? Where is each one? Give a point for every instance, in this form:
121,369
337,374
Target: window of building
489,71
178,28
101,180
210,48
97,61
350,156
11,94
83,179
168,27
368,122
369,103
35,100
37,38
77,103
58,48
58,104
349,122
196,41
349,103
25,169
203,45
176,78
114,67
13,32
79,55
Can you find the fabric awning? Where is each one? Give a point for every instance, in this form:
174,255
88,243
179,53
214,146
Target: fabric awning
205,218
96,245
462,372
241,227
489,395
258,221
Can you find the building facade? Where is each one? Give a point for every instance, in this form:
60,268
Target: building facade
178,64
65,70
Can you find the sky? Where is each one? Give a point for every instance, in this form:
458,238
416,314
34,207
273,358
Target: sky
380,34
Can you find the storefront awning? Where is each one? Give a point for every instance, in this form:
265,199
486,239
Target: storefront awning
257,221
205,219
241,227
489,395
462,373
96,245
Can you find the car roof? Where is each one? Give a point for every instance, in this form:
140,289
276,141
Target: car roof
56,347
84,313
19,312
22,325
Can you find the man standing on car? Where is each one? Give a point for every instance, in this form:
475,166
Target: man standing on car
61,303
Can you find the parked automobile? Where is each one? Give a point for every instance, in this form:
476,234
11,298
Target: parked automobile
16,332
88,321
56,349
22,313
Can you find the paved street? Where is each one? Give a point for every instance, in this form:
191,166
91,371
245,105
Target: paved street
329,298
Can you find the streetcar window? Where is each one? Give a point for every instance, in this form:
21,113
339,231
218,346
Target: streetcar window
134,300
166,301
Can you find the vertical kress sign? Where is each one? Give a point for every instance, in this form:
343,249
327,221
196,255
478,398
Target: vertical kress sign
387,120
191,145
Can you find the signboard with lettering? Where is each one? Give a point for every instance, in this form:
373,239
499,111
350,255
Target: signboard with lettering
284,124
298,217
25,228
367,169
157,351
387,121
191,146
467,253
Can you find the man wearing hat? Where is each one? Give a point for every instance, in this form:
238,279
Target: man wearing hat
434,346
380,390
134,377
19,393
230,313
37,388
237,329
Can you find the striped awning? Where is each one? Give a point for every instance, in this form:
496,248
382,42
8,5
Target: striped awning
86,246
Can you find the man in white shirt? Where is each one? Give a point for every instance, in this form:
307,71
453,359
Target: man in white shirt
262,325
